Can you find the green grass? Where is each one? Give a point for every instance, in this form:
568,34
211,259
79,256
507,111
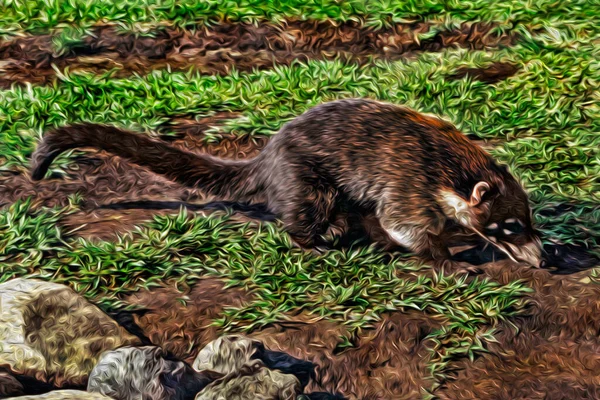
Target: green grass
353,288
41,15
544,120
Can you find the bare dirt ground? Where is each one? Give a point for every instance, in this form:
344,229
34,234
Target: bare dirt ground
217,49
550,352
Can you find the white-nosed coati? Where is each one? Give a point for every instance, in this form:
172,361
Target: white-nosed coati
415,172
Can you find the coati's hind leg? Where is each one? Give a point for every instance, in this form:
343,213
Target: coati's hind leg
307,212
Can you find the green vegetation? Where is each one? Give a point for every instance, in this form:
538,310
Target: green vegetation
544,123
354,288
41,15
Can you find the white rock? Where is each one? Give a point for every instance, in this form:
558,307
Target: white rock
247,377
253,382
227,354
50,333
134,373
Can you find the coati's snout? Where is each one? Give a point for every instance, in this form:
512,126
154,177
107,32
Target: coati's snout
531,252
509,225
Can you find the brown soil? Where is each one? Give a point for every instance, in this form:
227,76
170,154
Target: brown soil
553,354
180,322
217,49
9,385
492,74
389,360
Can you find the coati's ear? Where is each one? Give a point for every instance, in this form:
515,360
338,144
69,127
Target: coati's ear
478,191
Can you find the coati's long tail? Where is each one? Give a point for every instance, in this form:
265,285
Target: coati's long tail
233,180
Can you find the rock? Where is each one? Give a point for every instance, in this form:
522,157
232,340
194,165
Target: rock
52,335
301,369
146,373
64,395
252,372
253,381
228,354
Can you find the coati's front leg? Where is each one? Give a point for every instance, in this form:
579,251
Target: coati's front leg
421,235
420,241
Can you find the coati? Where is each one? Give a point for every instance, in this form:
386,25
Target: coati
415,172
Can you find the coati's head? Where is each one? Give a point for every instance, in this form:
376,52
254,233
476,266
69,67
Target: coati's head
497,209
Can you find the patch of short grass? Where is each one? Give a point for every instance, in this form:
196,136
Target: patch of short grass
354,287
41,15
27,236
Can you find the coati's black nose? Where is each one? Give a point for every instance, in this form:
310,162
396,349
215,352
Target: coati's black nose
543,264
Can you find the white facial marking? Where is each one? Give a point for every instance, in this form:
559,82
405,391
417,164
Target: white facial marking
455,207
492,226
514,220
493,240
507,232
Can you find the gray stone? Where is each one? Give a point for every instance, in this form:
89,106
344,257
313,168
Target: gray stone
229,353
51,334
132,373
251,371
253,381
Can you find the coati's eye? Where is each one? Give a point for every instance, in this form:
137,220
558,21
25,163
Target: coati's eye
511,226
492,229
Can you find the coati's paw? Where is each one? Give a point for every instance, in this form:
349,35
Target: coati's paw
318,250
315,250
450,266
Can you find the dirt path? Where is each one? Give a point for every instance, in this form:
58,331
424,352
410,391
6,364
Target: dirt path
216,50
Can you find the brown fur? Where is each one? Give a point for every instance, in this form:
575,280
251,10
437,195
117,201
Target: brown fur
381,158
